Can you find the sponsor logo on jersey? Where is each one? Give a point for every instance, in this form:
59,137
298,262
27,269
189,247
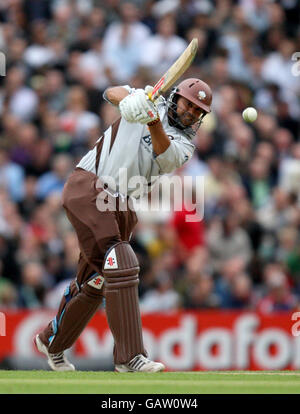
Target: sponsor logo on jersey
147,139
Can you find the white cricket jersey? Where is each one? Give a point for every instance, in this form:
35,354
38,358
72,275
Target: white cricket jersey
123,157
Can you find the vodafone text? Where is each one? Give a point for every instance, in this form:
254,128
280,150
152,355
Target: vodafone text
296,325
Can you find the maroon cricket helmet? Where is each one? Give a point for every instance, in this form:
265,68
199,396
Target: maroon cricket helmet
196,91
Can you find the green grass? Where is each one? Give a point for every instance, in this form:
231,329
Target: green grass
83,382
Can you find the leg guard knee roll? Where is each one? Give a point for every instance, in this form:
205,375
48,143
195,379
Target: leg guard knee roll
120,264
120,271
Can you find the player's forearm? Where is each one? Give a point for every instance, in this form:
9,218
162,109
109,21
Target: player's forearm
115,94
160,140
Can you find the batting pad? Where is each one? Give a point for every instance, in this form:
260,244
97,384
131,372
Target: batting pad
121,273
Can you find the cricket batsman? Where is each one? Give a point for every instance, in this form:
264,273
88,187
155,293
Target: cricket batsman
148,140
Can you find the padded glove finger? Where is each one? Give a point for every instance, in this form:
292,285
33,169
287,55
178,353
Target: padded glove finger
149,112
126,110
138,103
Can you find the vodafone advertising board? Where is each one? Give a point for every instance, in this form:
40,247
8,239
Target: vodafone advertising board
182,340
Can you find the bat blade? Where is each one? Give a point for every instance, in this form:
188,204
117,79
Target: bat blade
176,70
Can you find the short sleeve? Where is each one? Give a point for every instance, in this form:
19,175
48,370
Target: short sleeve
178,153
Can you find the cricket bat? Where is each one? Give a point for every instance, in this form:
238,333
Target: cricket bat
175,71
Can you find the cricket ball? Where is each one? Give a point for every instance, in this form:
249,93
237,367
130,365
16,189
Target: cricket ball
249,114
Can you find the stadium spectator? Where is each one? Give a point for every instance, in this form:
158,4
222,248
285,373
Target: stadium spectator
34,285
39,52
123,43
162,297
201,294
227,240
163,48
23,148
21,100
258,183
240,295
8,291
54,180
77,120
11,176
278,295
93,63
54,91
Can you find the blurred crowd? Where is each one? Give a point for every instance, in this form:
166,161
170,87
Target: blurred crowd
58,56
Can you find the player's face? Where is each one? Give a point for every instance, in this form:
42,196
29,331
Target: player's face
187,111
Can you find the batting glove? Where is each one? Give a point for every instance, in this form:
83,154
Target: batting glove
148,110
137,107
127,106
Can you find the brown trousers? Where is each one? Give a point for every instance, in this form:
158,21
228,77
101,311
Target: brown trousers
97,231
